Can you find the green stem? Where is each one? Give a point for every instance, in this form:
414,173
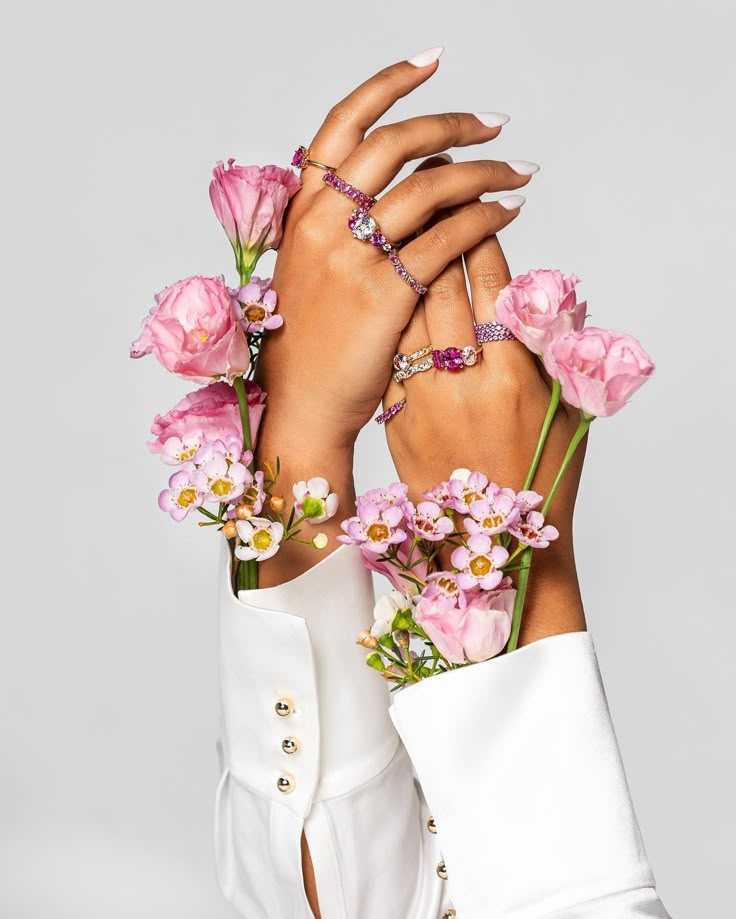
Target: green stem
554,401
207,513
585,422
239,387
521,586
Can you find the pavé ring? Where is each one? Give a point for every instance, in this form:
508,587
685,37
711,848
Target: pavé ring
350,191
493,331
419,367
404,361
391,411
301,160
365,228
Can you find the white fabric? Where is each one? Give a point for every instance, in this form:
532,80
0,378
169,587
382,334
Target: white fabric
517,758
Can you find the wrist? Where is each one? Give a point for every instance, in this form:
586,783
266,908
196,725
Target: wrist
553,603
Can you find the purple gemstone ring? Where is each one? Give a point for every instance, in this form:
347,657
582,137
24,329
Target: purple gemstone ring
454,359
365,228
493,331
350,191
390,412
301,160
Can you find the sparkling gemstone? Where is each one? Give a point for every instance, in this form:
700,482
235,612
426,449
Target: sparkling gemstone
401,362
438,360
300,158
365,226
453,359
470,356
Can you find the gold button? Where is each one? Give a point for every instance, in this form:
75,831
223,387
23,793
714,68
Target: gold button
442,870
450,914
289,744
284,707
286,783
431,825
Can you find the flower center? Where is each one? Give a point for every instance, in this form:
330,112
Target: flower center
254,312
447,586
377,532
471,496
187,496
220,487
187,453
261,540
494,520
480,566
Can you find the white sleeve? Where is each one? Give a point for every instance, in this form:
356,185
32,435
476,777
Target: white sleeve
519,762
349,785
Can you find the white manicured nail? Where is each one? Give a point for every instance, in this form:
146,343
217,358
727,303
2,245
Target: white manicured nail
492,119
425,58
512,202
523,167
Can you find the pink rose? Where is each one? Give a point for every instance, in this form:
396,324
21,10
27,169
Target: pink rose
442,619
600,370
195,332
209,414
539,307
249,202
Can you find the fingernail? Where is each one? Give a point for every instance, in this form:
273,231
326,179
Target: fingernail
492,119
512,202
425,58
523,167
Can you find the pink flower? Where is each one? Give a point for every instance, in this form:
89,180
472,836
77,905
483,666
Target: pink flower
249,202
528,501
465,487
441,618
599,370
427,521
207,415
479,563
374,530
539,307
256,301
532,531
194,331
314,500
221,481
492,515
183,494
178,450
486,623
394,495
231,451
440,495
260,538
388,570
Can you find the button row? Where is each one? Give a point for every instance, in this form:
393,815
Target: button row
286,783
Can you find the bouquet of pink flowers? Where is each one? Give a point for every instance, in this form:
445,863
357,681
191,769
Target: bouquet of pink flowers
208,333
450,557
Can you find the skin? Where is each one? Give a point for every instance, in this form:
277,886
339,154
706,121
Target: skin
347,313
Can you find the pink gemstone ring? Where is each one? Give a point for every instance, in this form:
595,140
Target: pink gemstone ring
365,228
493,331
350,191
301,160
455,359
390,412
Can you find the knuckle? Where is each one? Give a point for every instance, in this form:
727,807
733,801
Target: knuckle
439,237
489,279
453,124
481,214
309,233
388,135
340,116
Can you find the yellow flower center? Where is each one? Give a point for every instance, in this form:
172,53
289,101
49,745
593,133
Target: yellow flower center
220,487
447,585
261,540
377,532
186,497
201,334
188,453
494,520
480,566
471,496
254,312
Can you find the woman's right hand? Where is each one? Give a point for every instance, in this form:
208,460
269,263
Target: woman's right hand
343,303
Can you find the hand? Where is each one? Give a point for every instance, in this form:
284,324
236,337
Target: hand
488,418
343,304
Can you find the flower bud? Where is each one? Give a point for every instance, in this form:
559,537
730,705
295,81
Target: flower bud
401,637
277,503
229,529
320,541
243,512
374,660
366,639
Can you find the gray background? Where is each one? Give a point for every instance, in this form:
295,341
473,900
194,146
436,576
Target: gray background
113,115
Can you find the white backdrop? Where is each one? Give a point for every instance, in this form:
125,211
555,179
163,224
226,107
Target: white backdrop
113,115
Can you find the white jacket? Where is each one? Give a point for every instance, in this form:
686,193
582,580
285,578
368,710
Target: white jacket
515,759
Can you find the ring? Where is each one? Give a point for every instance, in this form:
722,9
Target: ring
419,367
390,412
493,331
454,359
301,160
365,228
350,191
404,361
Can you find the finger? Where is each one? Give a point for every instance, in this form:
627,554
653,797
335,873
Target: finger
414,201
428,255
347,121
448,311
414,337
382,155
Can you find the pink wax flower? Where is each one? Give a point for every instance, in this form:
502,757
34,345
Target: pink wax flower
230,451
260,538
465,487
531,530
440,495
539,307
394,495
479,563
207,415
599,370
314,500
428,521
221,481
256,301
249,202
492,515
486,623
183,494
178,450
528,500
374,530
194,331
